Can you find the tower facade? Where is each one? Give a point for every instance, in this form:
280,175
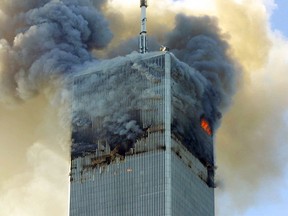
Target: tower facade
141,145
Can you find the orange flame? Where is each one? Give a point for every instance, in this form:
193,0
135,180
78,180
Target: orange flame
206,127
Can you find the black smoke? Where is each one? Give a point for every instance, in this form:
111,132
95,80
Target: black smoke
198,41
43,40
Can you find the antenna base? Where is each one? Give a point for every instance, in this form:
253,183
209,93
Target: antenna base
143,3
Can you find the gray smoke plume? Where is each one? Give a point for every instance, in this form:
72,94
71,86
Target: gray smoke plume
199,42
42,40
99,3
130,45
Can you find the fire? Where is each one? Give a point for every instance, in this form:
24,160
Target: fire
206,127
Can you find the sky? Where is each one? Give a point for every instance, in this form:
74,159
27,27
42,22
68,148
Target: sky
279,17
251,143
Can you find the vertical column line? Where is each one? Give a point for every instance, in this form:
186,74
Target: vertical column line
168,198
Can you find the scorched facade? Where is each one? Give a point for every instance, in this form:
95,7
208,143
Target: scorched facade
138,148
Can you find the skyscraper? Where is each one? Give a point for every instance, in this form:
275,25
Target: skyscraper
142,145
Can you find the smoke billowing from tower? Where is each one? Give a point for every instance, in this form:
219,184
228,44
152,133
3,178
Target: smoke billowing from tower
42,40
46,41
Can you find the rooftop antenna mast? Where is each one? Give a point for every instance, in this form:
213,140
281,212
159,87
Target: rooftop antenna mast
143,48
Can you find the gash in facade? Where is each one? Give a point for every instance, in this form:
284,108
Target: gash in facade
142,145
